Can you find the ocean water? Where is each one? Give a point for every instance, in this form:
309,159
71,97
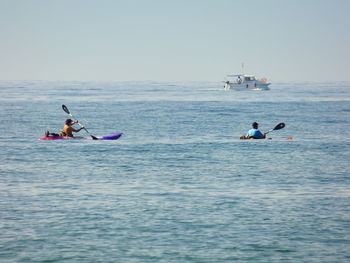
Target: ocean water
179,186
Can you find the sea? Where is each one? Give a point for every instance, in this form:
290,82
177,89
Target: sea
179,185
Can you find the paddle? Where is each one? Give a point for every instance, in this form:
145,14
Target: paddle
278,127
64,107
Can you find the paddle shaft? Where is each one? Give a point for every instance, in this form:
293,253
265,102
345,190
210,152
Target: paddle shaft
269,131
80,124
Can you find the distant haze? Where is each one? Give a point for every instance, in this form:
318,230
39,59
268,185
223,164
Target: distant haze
180,40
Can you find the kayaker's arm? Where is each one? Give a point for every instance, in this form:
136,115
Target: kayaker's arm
78,130
74,130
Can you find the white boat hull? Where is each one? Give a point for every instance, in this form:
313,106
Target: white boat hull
247,86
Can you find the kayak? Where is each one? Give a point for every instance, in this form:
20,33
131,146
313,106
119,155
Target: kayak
106,137
243,137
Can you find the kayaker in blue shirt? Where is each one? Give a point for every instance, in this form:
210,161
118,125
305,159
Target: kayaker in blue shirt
255,133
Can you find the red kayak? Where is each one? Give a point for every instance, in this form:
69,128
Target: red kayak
106,137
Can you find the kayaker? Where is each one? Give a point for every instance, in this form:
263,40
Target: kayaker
68,129
255,133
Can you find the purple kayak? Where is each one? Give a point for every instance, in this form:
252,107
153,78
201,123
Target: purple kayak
106,137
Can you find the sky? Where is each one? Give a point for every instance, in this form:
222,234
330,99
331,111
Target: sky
168,40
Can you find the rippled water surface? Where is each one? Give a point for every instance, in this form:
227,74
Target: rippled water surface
179,186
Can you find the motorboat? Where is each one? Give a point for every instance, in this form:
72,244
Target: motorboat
245,82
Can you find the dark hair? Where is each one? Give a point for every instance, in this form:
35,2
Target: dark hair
68,121
255,125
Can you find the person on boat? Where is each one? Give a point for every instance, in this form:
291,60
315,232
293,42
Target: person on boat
68,129
255,133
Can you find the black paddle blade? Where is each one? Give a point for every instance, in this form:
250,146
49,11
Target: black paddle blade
279,126
64,107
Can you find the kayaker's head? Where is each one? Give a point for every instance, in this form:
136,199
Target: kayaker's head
69,121
255,125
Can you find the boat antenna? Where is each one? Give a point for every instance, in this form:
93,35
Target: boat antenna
242,68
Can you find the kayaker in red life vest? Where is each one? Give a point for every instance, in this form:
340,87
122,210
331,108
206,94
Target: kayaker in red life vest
68,129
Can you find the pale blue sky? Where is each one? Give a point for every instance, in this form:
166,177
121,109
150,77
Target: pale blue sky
174,40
